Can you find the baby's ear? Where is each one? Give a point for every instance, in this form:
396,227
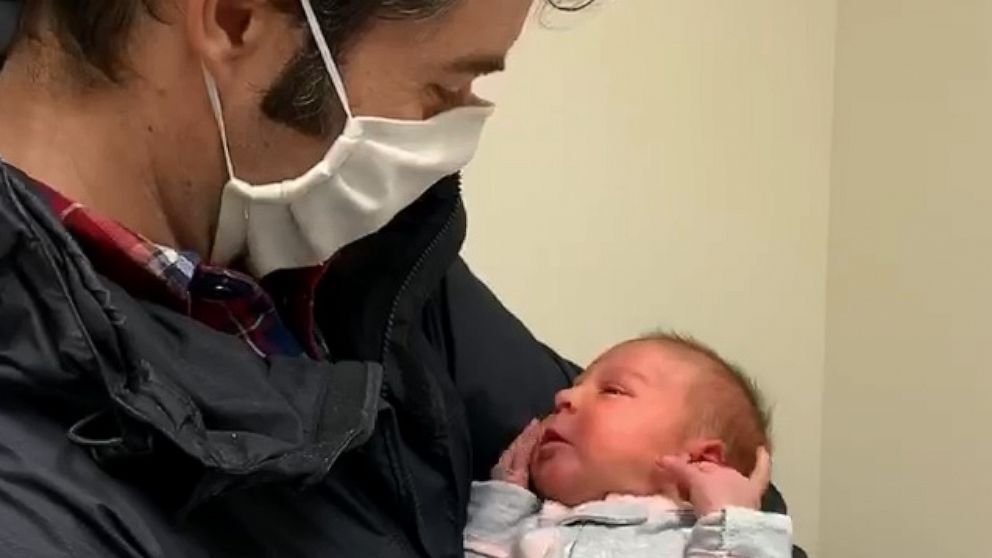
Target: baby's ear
710,450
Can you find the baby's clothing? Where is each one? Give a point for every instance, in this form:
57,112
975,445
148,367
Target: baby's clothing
507,521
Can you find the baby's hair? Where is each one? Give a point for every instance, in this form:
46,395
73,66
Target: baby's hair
727,403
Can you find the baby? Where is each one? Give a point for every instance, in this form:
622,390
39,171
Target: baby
657,450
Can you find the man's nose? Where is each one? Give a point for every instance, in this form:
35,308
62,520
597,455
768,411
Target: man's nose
565,400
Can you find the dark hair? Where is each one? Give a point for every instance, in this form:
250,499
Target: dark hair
726,403
97,31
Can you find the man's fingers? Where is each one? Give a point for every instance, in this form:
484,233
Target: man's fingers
761,477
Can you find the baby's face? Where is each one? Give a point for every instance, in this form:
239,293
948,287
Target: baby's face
610,429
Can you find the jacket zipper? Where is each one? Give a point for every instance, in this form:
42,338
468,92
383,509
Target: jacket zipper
387,392
414,271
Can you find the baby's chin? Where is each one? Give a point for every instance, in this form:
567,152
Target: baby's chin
560,481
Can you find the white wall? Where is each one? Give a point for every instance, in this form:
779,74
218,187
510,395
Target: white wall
909,384
666,163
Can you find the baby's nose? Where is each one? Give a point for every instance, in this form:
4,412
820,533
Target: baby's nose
565,400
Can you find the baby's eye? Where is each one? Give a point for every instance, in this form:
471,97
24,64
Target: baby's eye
613,390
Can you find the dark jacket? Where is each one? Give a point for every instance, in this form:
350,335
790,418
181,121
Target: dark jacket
129,430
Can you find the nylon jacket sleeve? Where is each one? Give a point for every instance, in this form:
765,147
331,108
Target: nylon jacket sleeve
33,525
54,501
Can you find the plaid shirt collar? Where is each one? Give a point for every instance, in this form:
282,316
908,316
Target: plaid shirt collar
223,299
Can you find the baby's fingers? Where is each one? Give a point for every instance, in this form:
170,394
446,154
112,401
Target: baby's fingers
684,473
507,457
533,436
523,447
761,477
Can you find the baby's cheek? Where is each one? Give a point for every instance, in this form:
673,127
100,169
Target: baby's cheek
621,442
628,455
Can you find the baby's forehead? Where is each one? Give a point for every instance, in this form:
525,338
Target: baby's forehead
650,361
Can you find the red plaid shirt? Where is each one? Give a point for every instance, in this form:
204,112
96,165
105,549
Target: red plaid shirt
223,299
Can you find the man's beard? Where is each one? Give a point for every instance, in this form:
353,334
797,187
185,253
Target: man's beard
303,96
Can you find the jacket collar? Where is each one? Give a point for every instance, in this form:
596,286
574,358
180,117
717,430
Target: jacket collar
176,389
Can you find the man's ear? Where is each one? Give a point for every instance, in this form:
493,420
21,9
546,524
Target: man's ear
227,32
709,450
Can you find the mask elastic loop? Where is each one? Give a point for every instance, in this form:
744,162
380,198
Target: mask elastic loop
215,104
325,53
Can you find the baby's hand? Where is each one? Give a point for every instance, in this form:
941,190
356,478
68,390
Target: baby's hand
514,464
712,488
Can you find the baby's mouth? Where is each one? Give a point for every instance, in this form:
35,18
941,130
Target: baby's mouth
552,436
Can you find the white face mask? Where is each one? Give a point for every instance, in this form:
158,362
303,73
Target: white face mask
375,169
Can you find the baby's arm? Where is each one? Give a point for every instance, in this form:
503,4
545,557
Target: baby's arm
499,509
497,515
727,505
741,533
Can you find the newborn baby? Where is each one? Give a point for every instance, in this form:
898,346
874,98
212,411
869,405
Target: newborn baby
657,450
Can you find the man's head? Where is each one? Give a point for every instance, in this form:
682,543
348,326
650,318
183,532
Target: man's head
407,59
640,401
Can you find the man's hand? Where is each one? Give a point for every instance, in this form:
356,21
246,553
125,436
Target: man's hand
712,488
514,464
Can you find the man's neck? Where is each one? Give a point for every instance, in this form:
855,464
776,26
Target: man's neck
98,150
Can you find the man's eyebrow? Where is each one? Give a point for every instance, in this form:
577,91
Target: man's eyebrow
480,64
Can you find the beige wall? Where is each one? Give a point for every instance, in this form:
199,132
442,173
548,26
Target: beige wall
909,386
666,163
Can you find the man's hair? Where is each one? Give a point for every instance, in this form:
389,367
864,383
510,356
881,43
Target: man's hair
725,402
97,32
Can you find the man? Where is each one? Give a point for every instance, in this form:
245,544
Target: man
338,397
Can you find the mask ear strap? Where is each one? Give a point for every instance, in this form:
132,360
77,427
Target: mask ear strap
215,105
325,53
